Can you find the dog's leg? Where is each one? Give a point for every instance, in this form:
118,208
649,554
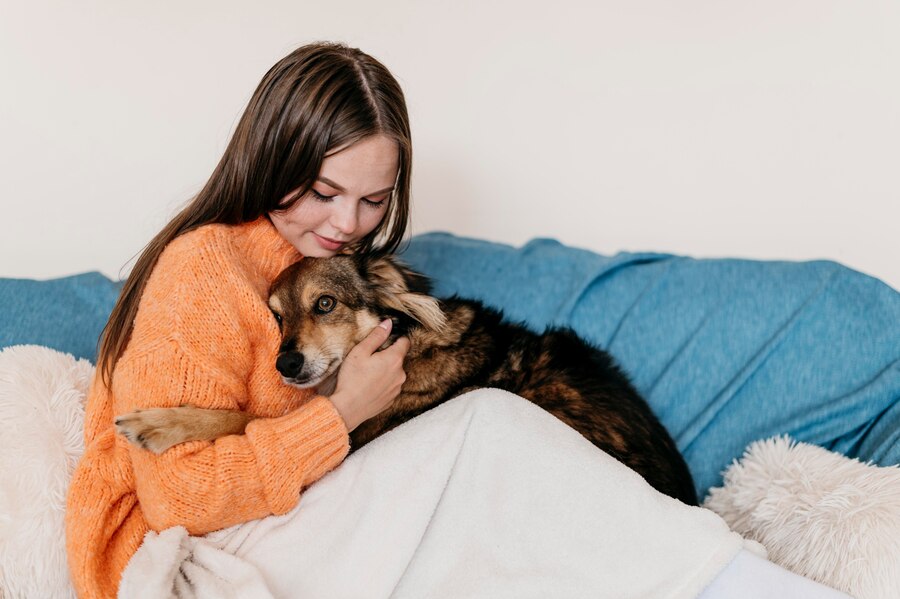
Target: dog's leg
158,429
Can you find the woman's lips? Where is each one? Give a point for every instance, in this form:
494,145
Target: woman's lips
329,244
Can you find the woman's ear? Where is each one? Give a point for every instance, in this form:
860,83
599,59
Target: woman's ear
398,287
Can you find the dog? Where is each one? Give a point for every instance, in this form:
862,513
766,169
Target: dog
325,306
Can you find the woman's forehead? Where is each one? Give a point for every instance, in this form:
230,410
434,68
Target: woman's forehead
365,167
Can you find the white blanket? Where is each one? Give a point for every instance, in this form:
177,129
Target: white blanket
485,496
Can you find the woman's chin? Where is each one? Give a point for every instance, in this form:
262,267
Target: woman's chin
310,249
317,253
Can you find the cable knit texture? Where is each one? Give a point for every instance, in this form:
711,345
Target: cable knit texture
203,335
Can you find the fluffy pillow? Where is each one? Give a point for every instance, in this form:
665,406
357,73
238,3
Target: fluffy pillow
42,396
818,513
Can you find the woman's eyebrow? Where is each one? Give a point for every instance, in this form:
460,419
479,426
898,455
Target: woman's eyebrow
342,190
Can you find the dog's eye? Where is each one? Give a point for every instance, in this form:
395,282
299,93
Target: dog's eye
325,304
277,318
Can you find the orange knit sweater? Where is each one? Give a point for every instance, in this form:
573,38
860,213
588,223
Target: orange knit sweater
203,335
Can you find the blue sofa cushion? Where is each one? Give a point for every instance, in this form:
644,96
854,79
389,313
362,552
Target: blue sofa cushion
67,314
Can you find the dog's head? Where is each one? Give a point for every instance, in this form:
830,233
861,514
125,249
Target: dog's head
325,306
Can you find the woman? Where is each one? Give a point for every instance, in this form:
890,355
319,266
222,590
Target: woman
319,164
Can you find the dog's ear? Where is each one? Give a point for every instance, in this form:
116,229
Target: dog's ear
397,287
415,282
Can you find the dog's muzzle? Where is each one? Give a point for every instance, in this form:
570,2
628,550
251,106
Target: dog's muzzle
289,364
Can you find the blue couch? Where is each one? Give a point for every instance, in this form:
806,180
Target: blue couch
725,351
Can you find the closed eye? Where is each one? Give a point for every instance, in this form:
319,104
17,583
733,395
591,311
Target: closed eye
373,203
370,203
320,197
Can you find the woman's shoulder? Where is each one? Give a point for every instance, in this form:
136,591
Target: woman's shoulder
199,282
213,241
214,246
197,263
218,274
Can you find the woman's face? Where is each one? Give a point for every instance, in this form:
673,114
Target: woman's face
347,201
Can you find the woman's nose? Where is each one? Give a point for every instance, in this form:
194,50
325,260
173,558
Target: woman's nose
344,218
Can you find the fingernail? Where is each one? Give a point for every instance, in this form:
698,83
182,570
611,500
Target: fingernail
386,324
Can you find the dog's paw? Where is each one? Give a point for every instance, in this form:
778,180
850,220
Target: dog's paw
154,429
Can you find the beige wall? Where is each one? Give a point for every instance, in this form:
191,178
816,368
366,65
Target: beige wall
766,129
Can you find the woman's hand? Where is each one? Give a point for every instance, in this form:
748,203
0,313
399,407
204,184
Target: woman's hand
369,379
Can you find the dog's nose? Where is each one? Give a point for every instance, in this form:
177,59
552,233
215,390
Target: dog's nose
289,363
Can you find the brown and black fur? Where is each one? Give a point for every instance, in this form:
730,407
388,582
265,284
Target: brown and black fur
456,345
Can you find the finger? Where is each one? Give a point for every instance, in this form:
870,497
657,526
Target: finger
400,346
376,337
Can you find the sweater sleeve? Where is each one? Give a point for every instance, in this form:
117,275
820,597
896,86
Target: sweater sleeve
205,486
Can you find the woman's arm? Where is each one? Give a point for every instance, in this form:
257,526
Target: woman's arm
365,387
206,486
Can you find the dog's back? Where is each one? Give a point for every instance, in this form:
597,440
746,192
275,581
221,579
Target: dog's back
557,370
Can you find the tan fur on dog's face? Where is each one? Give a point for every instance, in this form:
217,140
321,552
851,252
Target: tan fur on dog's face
324,313
327,305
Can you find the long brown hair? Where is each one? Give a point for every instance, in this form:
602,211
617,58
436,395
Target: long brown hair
319,98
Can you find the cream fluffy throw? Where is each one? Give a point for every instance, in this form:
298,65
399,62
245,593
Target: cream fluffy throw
485,496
